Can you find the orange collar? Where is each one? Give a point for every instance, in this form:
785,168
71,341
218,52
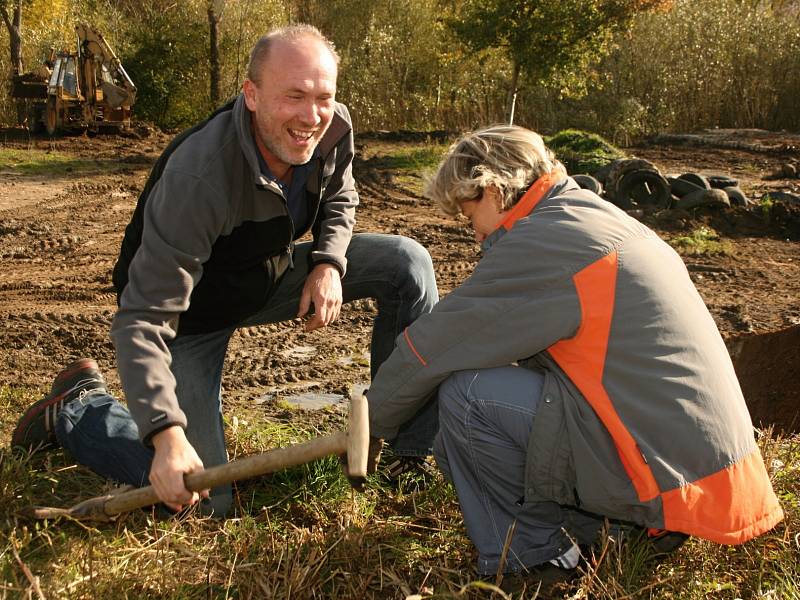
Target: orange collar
531,198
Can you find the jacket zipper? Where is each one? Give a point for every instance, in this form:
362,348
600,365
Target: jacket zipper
288,249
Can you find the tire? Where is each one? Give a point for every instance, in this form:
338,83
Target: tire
602,173
736,196
697,179
616,172
637,182
709,198
682,187
788,171
587,182
52,118
644,188
720,182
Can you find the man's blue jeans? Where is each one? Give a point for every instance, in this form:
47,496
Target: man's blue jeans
396,271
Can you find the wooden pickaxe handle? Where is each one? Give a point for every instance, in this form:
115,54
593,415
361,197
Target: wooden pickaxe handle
242,468
354,442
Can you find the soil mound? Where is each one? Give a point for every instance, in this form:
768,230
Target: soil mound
768,366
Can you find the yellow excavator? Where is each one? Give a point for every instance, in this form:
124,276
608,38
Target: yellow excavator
83,90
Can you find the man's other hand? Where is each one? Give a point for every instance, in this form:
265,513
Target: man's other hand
174,457
323,288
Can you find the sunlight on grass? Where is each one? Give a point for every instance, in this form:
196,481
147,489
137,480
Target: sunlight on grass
702,240
13,401
415,159
41,162
303,533
407,163
581,151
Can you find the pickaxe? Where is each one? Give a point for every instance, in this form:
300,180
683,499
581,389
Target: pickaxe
354,442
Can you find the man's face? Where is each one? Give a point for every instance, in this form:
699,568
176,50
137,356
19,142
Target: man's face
293,101
485,213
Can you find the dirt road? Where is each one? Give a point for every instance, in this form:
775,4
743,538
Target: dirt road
59,237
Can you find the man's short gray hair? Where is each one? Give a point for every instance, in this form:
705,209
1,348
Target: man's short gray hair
289,33
506,156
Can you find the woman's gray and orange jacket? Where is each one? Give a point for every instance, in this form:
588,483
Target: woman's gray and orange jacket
642,417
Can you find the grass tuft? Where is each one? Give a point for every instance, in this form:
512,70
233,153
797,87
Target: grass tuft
702,240
415,159
581,151
405,163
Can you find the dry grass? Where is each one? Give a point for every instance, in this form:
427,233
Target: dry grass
303,533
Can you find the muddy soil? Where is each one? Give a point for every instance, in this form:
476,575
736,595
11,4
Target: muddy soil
59,238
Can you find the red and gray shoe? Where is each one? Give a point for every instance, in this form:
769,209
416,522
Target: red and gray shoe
412,472
37,427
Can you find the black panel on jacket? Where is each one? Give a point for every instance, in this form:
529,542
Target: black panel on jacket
133,232
238,278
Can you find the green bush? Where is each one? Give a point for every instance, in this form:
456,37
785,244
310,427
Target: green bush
581,151
702,240
705,63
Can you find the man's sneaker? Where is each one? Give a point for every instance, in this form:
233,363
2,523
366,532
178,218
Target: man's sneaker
410,471
37,427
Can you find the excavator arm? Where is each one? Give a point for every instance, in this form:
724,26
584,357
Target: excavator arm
102,70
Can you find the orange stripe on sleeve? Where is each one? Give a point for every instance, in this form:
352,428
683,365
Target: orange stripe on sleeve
583,359
413,349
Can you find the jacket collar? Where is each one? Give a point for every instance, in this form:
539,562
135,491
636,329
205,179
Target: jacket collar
542,188
532,197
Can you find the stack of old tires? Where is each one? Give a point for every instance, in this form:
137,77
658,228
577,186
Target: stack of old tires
638,184
693,189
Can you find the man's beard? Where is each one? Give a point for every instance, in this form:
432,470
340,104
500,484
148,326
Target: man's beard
285,156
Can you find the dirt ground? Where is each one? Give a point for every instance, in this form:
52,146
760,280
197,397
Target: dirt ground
59,238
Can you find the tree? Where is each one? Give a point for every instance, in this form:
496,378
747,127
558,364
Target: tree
214,11
543,36
168,63
13,22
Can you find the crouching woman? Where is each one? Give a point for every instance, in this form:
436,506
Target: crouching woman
579,374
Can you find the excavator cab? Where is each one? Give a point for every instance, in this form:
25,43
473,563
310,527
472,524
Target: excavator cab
64,81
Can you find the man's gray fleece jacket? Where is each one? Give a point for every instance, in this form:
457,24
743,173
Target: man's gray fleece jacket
208,241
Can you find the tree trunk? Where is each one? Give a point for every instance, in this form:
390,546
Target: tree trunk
14,25
512,94
213,37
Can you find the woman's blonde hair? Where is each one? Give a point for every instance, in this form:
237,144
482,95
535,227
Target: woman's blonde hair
506,156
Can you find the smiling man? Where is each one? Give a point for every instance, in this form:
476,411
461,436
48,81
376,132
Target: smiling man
211,248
